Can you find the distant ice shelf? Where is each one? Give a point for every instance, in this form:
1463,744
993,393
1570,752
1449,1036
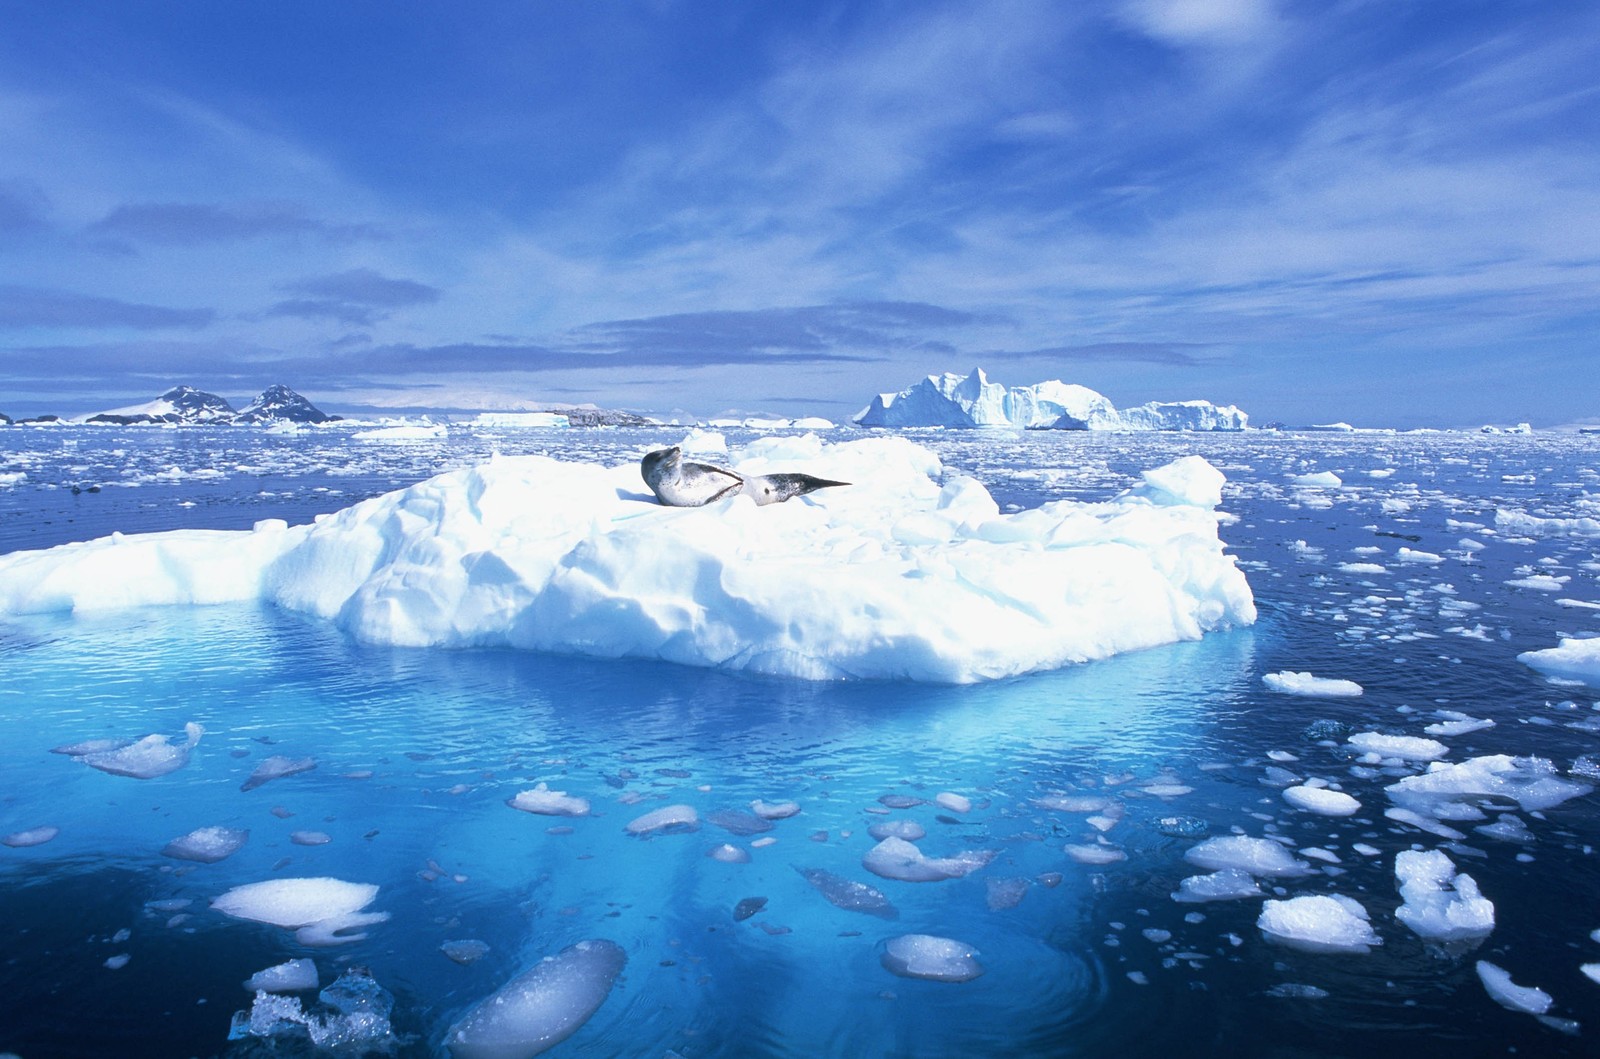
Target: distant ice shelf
898,576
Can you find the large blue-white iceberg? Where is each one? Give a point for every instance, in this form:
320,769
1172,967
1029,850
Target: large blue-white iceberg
952,400
897,576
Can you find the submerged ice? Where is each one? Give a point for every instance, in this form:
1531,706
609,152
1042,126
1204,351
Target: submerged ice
541,1007
897,576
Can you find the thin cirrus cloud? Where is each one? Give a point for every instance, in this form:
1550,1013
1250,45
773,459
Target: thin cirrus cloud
844,331
195,223
358,297
35,307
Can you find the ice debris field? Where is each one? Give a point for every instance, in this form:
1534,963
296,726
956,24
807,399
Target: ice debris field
1347,807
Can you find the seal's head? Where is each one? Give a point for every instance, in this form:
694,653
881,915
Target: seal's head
658,463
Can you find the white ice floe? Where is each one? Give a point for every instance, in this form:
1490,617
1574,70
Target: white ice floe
931,957
1253,856
956,803
207,845
147,758
1321,800
318,910
896,576
541,1007
1525,998
33,836
668,817
276,767
294,976
1228,884
1439,904
1456,723
895,858
1329,923
546,802
774,810
1405,747
1317,480
1522,524
1290,683
1531,782
1574,659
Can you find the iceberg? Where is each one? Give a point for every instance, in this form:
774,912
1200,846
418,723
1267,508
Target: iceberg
952,400
899,576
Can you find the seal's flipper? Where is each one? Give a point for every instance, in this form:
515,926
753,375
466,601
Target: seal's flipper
776,488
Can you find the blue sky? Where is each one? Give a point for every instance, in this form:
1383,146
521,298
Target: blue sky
1378,212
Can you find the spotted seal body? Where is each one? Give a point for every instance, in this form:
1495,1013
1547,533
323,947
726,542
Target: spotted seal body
678,482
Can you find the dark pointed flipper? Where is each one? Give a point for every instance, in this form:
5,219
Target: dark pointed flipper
776,488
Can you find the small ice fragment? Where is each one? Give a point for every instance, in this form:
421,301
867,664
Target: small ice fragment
1255,856
774,810
1073,803
728,854
667,818
1531,782
91,746
546,802
33,836
1317,480
1321,800
1497,981
956,803
294,976
895,858
763,842
310,838
1460,724
207,845
1292,683
118,962
146,758
1182,826
276,767
900,801
909,830
1407,747
1591,971
1050,879
1006,893
932,958
1297,991
1425,823
848,894
748,907
739,822
317,909
541,1007
1085,853
1438,903
1319,923
467,950
1229,884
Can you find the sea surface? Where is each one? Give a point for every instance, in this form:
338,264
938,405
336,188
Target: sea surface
1399,578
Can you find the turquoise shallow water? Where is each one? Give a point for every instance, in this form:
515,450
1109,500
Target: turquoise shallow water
417,752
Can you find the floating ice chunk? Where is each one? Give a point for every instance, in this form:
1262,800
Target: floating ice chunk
146,758
1573,660
1254,856
1073,803
1318,480
729,854
774,810
1297,991
748,907
207,845
1363,568
909,830
668,817
895,858
1531,782
1319,923
317,909
1591,971
295,976
546,802
1438,903
1409,555
1509,828
848,894
956,803
357,1020
467,950
1408,747
541,1007
310,838
276,767
739,822
117,962
90,746
1457,724
1497,982
1229,884
1291,683
1424,822
1085,853
1181,826
33,836
930,957
1002,894
1321,800
1540,582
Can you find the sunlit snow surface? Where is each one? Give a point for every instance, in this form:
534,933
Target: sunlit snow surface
483,797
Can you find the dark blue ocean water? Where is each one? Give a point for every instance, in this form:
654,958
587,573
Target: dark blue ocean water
418,750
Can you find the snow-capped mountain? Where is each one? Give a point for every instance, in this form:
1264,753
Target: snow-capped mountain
181,404
952,400
277,404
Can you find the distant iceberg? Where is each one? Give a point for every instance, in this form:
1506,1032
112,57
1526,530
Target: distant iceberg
952,400
898,576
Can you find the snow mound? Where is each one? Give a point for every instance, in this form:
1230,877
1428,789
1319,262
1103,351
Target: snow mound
894,577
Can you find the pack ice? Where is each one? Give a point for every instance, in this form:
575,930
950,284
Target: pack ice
897,576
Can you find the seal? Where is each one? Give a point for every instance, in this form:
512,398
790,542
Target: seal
678,482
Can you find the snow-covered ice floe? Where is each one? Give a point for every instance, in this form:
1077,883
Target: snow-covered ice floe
1573,660
896,576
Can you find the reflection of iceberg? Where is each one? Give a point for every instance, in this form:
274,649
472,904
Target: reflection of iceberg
896,577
